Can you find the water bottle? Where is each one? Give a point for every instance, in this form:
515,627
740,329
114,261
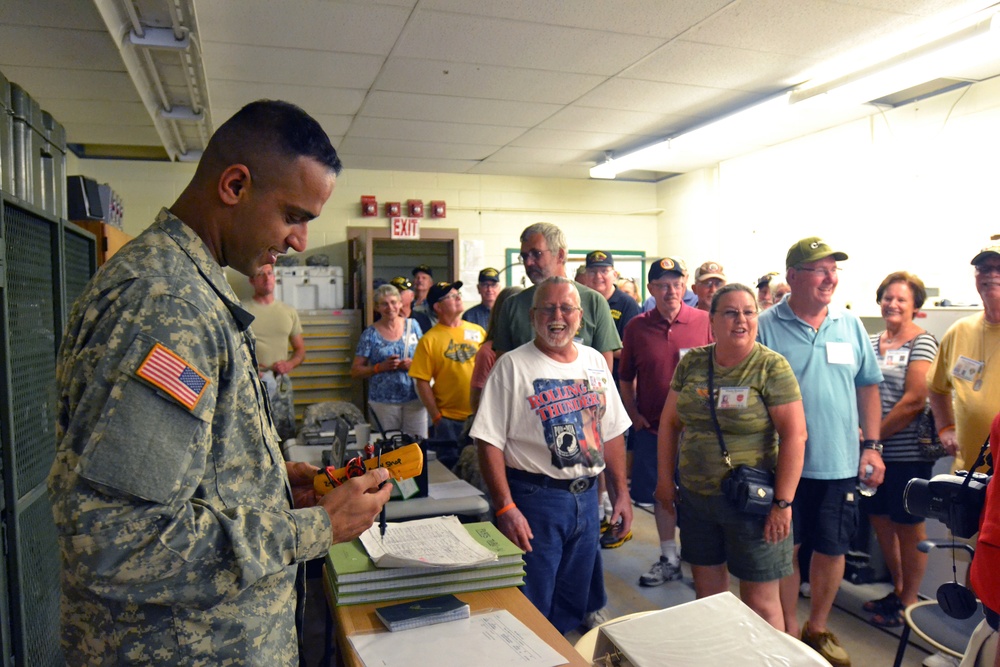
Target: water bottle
864,489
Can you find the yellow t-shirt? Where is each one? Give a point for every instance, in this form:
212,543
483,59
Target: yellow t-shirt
273,325
447,356
978,341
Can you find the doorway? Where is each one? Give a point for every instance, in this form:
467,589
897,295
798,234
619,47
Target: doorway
374,256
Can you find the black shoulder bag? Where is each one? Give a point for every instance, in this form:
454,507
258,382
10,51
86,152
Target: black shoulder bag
750,490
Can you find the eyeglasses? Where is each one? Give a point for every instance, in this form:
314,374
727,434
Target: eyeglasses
550,311
986,269
673,284
827,273
533,255
734,315
454,295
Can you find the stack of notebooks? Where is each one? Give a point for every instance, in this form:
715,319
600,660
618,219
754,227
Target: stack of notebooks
355,579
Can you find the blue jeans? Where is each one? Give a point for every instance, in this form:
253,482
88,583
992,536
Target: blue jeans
561,568
643,466
446,440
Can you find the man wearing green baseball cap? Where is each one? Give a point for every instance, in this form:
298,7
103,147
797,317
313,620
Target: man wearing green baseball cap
838,374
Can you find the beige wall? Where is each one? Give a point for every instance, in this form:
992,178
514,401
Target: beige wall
911,189
490,209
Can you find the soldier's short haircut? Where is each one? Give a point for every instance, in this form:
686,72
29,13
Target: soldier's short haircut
265,131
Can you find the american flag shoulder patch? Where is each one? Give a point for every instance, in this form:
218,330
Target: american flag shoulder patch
167,371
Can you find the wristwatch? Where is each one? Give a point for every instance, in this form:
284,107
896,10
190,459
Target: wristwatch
872,444
783,504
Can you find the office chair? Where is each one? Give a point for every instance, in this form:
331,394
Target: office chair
930,622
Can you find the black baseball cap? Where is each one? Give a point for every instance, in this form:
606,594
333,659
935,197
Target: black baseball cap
439,290
423,268
401,283
489,275
986,252
664,266
765,279
599,258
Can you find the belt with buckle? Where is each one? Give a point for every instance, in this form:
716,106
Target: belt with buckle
578,485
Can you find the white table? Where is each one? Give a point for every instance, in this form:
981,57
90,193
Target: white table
472,506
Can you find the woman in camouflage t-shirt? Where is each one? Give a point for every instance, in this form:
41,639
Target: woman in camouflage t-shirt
759,410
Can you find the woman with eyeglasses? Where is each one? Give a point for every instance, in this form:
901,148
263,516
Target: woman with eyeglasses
385,351
739,397
905,352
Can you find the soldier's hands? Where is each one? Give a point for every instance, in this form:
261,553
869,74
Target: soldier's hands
282,367
300,477
355,505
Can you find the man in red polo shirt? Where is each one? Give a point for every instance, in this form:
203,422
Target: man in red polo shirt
653,344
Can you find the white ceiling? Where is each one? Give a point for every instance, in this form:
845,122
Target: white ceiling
514,87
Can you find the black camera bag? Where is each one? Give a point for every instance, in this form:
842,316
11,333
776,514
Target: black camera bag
750,490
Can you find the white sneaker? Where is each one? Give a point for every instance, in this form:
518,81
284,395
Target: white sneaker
595,618
661,572
940,659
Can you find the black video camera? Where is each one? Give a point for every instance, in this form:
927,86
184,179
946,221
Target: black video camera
954,500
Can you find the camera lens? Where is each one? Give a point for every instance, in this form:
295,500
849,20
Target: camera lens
917,497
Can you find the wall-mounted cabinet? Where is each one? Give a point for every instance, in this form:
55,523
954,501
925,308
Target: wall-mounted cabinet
109,239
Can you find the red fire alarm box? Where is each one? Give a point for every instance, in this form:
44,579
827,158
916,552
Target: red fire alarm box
437,209
415,208
369,207
393,209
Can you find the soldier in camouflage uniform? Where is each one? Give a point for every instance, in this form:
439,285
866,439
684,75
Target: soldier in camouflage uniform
174,506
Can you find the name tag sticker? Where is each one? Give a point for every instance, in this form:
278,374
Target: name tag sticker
967,369
896,357
733,398
839,353
597,379
472,336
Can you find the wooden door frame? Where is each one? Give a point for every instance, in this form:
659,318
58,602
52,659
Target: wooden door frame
368,235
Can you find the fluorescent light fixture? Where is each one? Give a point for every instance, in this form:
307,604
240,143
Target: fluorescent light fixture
943,57
817,105
633,160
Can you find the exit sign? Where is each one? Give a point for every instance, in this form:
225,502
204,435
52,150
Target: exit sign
405,228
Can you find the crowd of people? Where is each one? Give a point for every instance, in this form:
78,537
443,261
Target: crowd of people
751,417
713,377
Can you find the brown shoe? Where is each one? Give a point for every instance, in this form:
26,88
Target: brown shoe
826,644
